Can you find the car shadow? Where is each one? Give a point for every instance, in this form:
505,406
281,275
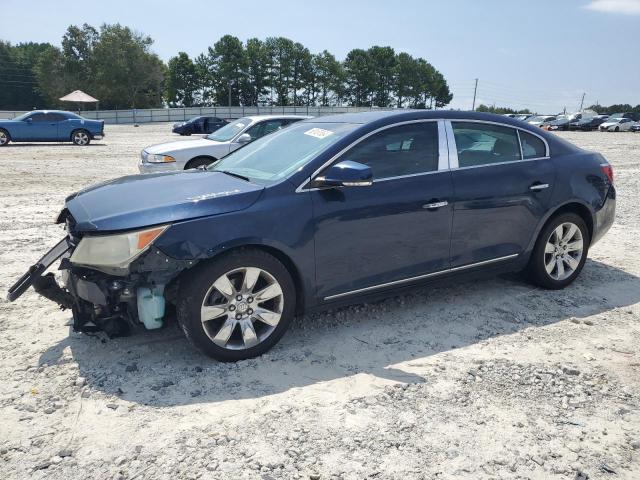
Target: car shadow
160,368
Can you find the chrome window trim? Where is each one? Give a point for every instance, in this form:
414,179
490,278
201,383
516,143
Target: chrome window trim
451,144
421,277
501,163
520,145
441,162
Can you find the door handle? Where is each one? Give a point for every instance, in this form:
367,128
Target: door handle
435,205
539,186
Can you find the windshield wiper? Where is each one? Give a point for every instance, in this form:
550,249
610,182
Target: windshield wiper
233,174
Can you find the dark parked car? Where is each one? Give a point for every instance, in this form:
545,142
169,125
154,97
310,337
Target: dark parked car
326,212
50,126
204,125
564,122
589,124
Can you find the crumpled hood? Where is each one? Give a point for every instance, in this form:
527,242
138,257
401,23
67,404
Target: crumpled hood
138,201
169,147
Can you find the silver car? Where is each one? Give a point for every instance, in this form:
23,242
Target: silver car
185,154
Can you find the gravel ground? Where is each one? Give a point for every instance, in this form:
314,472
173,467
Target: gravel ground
491,379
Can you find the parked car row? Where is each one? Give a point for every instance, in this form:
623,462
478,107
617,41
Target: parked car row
585,121
323,213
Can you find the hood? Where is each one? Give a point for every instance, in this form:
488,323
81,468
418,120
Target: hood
167,148
138,201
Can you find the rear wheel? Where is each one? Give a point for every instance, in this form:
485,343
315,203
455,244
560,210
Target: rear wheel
560,252
238,306
199,162
4,137
80,138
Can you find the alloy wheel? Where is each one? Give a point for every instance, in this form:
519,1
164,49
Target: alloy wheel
80,138
242,308
563,251
3,138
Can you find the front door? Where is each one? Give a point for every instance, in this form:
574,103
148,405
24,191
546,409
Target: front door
502,190
397,228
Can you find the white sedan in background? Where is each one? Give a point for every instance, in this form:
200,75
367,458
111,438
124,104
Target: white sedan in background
185,154
617,125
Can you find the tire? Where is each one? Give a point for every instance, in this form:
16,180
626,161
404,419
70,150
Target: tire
199,162
5,138
617,129
241,326
556,274
80,138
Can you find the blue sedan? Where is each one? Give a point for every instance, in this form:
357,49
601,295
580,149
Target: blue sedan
326,212
50,126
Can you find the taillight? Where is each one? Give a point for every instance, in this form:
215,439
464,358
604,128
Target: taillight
608,171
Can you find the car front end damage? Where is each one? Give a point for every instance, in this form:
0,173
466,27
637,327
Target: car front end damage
113,282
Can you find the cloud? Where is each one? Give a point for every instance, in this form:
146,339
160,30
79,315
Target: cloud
626,7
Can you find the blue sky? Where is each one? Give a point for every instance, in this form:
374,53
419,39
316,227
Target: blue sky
542,54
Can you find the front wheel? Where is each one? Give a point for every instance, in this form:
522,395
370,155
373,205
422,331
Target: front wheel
560,252
4,137
238,306
80,138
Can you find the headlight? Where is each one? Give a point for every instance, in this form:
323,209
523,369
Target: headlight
114,252
160,158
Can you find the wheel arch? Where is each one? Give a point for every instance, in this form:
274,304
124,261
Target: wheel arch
578,207
276,252
209,157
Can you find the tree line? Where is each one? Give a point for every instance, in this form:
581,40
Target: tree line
116,65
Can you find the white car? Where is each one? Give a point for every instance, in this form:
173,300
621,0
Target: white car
185,154
541,120
617,125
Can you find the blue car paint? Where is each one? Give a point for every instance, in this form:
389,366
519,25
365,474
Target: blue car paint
50,131
351,238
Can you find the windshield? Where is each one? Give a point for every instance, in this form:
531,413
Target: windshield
230,130
22,117
536,119
275,156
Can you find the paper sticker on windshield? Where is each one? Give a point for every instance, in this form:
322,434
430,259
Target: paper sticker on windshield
318,132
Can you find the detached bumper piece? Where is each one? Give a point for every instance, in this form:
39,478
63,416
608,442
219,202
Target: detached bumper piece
35,271
113,304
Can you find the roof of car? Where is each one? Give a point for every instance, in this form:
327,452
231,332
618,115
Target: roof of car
392,116
266,117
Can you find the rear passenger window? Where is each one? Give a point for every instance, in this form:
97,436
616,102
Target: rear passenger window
532,146
483,144
398,151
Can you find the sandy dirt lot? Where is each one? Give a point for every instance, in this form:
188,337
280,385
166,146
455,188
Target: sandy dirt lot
489,379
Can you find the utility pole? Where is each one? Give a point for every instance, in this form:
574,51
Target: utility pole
475,90
229,93
582,102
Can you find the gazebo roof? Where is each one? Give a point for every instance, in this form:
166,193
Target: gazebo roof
79,96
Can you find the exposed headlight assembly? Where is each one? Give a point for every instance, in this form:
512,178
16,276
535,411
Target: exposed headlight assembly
114,253
160,158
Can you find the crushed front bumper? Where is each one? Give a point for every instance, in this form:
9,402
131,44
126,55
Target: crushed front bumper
103,302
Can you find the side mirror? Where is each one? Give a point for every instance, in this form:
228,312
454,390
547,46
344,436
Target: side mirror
244,138
29,120
345,174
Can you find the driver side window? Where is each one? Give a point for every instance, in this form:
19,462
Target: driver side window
398,151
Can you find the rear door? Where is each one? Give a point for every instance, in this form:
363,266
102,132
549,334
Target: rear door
503,180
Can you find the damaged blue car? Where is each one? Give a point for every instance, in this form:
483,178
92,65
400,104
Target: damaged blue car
326,212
